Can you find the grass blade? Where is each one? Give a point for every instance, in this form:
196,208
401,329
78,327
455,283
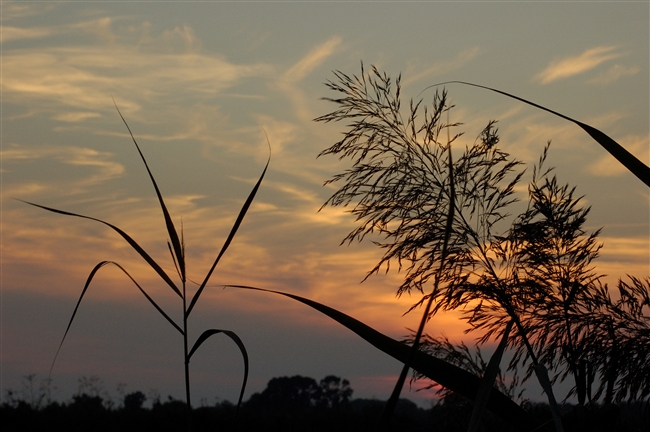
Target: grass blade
445,374
487,383
232,335
231,235
173,235
154,265
83,292
634,165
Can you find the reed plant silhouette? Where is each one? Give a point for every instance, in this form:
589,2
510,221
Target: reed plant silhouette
436,217
446,223
176,246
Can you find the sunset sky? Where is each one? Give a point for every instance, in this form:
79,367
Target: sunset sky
199,84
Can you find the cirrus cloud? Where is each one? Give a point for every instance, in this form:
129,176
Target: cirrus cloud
613,74
575,65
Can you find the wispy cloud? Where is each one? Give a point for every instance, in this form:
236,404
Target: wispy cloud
575,65
135,65
314,58
288,81
443,67
613,74
102,167
16,33
16,10
74,117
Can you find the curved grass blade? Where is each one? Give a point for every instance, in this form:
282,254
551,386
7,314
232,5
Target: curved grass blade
232,335
83,292
173,234
487,383
233,231
154,265
390,406
634,165
445,374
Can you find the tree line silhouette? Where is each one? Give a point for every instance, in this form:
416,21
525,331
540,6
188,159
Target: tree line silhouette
295,403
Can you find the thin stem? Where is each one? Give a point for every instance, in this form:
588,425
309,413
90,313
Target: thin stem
392,401
187,362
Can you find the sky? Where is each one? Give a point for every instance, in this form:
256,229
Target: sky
200,84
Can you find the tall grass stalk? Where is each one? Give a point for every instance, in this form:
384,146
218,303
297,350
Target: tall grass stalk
176,246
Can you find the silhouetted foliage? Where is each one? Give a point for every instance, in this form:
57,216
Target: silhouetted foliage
439,219
470,360
87,412
133,401
176,246
617,340
447,223
298,393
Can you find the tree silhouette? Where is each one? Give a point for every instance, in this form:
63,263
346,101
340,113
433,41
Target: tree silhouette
334,392
302,394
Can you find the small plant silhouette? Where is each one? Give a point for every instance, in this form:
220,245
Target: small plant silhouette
176,246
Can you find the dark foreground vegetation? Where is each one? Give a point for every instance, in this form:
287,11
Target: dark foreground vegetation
287,404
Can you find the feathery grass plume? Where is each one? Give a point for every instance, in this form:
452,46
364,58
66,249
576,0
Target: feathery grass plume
398,187
615,334
176,247
556,256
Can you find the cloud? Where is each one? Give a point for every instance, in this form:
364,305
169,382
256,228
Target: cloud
314,58
279,133
444,67
16,10
102,166
75,117
288,81
17,33
613,74
570,66
129,64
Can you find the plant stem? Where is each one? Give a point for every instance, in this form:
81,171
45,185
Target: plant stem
187,362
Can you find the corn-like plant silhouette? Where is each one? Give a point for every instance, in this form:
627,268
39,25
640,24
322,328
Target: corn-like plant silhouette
176,248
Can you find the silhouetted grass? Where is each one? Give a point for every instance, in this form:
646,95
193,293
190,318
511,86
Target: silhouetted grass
176,247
